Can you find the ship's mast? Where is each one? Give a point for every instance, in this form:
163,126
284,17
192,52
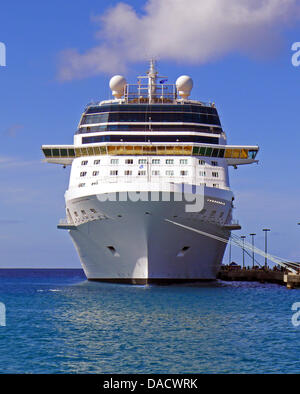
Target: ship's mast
152,76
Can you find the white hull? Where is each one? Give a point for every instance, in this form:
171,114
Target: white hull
134,243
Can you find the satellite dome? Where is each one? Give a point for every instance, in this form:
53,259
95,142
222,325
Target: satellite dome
184,85
117,85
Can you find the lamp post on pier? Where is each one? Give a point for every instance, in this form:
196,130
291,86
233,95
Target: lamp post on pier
266,245
243,238
252,235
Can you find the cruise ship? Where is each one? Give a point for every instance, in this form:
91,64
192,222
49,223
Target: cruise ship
149,199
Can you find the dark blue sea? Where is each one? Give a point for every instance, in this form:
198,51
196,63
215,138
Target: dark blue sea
58,322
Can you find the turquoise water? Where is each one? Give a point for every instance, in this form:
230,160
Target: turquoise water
57,322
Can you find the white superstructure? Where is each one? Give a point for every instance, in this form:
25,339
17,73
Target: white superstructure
143,162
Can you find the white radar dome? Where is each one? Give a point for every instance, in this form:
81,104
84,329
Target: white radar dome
117,85
184,85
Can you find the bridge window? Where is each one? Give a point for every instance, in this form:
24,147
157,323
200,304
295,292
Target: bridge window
114,172
183,161
215,175
47,152
95,173
142,173
178,150
129,161
252,154
183,173
83,173
127,172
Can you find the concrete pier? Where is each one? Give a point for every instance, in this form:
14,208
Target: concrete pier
291,280
234,272
253,275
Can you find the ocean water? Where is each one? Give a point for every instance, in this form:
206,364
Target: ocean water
57,322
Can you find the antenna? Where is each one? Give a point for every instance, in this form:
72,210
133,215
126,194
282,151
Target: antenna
152,75
152,70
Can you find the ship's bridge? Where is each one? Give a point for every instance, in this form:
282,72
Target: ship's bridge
234,154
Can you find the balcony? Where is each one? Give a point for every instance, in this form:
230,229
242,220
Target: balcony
65,225
234,225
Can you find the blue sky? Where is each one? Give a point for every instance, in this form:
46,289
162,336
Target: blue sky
257,95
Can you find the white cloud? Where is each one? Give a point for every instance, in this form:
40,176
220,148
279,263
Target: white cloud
194,31
12,162
13,130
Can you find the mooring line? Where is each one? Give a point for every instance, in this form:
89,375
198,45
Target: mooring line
245,245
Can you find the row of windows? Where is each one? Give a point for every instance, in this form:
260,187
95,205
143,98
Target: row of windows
85,162
152,127
150,138
216,185
154,172
152,108
144,161
93,211
84,212
143,172
157,161
153,117
153,161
